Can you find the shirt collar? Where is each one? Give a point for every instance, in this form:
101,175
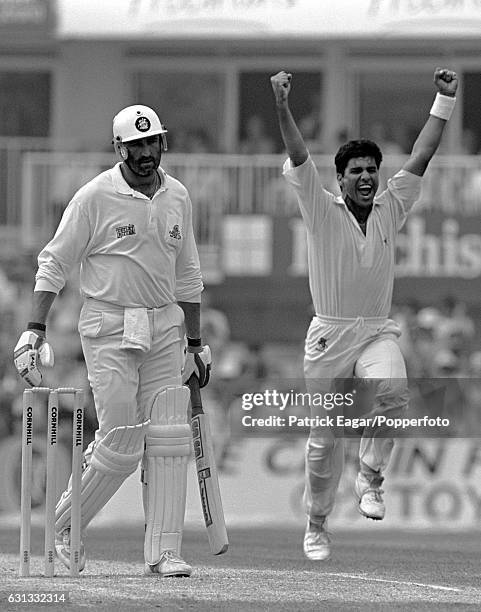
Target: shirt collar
121,185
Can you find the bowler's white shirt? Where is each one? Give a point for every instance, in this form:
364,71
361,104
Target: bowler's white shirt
133,251
351,274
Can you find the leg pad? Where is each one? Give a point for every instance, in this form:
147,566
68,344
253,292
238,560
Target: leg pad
167,451
113,459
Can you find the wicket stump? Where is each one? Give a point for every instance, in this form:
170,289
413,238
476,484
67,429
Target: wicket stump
32,400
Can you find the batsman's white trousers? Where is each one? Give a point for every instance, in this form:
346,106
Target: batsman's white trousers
124,381
340,349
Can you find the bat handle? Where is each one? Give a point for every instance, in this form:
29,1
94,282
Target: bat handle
195,397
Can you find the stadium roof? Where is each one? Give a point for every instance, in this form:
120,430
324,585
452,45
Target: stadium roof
254,19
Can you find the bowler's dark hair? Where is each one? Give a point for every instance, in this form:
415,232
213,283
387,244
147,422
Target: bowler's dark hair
356,148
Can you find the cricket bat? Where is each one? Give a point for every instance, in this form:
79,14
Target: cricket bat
207,472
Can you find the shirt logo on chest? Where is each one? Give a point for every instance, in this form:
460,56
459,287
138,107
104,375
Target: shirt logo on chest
175,232
125,230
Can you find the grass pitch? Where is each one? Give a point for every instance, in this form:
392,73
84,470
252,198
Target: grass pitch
263,570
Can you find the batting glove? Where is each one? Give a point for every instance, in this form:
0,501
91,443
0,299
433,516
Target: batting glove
198,361
31,351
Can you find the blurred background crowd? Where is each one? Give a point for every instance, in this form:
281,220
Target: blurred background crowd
438,342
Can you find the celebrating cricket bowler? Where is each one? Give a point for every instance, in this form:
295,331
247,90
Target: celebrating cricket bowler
351,253
130,228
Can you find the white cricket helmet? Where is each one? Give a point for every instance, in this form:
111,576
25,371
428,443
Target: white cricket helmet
137,121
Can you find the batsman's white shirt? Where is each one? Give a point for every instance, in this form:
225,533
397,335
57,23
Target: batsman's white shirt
133,251
351,274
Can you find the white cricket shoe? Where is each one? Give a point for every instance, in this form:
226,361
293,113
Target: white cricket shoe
369,493
317,544
170,565
62,547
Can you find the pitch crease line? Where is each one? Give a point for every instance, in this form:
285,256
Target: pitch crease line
406,583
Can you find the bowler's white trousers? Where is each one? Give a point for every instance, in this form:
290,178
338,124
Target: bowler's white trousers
338,348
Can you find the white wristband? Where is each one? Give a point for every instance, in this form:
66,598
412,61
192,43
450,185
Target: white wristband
443,106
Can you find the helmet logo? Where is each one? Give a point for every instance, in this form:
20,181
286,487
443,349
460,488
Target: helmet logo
142,124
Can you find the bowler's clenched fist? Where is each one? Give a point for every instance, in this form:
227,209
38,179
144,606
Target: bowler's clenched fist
446,81
281,85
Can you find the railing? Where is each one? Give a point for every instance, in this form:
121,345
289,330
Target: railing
218,185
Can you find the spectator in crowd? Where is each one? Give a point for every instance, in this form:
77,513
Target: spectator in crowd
256,140
405,316
340,137
195,140
457,329
8,292
214,325
469,142
447,330
380,134
310,125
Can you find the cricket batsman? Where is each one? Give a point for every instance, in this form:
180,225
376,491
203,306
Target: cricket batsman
351,255
130,229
